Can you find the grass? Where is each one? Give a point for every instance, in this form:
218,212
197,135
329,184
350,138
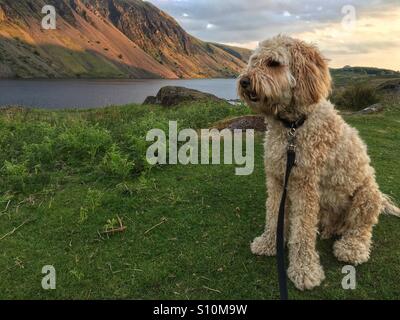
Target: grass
68,176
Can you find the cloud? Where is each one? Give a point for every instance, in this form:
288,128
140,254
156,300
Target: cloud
245,23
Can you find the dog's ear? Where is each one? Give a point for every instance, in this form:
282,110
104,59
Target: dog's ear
310,69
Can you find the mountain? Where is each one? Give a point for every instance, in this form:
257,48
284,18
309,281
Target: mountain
373,76
365,71
240,53
106,38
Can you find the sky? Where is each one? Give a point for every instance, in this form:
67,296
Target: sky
348,32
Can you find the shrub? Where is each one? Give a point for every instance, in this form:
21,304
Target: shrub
93,201
14,175
151,121
128,188
137,151
13,138
39,153
82,142
356,97
116,164
18,170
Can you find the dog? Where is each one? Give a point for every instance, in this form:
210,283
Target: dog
332,188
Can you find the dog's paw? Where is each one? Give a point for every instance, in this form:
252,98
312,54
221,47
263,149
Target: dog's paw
262,246
352,250
306,277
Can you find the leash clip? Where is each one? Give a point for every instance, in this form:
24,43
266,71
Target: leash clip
292,139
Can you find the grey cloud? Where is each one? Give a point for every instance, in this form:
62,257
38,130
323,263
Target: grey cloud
245,21
360,48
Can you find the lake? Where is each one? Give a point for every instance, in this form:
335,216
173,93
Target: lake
58,94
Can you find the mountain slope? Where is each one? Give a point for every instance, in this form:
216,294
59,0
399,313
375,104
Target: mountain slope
105,38
240,53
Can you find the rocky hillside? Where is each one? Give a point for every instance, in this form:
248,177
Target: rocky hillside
106,38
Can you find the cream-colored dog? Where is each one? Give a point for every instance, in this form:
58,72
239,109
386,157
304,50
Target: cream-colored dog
332,188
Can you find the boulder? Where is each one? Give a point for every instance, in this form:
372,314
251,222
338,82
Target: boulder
375,108
255,122
172,96
150,100
235,102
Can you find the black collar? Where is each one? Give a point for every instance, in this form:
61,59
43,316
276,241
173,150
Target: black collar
292,124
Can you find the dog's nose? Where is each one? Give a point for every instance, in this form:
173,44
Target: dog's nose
245,82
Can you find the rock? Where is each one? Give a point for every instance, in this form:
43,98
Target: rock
172,96
244,123
235,102
375,108
150,100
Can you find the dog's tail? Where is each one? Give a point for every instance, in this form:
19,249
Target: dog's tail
389,207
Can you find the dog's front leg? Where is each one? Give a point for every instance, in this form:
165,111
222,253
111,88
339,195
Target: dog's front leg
305,269
266,243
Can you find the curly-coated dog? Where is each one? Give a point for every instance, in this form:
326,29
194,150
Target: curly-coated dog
332,188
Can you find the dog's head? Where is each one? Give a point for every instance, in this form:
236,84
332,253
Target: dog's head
284,74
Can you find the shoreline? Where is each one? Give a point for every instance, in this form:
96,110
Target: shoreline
100,93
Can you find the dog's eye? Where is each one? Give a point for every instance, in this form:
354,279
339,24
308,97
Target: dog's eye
273,63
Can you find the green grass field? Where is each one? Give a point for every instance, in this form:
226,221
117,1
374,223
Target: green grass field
67,176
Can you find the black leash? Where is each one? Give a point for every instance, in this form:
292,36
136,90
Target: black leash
280,232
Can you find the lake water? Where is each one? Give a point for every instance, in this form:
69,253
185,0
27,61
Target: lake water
58,94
